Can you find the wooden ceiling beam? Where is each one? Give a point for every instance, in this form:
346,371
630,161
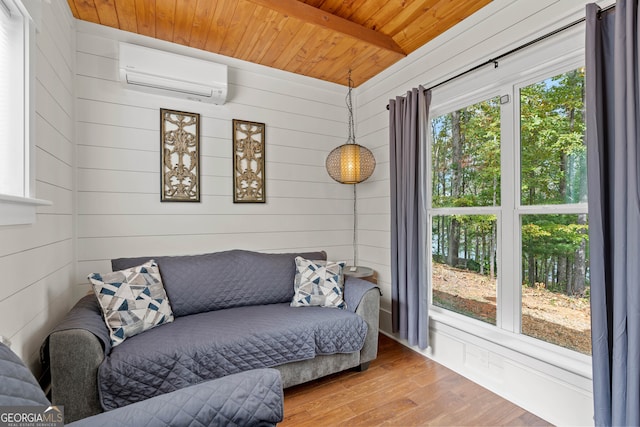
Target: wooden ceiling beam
314,16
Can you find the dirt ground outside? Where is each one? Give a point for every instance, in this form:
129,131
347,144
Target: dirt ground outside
552,317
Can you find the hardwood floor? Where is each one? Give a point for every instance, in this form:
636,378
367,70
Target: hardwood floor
401,388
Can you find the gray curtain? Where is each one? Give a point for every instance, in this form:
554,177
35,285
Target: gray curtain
408,120
613,136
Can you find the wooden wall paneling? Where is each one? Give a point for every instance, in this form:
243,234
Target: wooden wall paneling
92,203
119,213
118,181
37,297
92,67
99,226
50,110
27,340
117,115
52,170
47,230
32,255
127,246
118,159
55,142
54,40
62,199
19,270
117,137
51,83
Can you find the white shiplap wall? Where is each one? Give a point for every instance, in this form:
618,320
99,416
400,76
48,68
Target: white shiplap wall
119,208
559,396
37,261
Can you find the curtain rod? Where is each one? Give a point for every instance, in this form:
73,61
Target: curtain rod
495,60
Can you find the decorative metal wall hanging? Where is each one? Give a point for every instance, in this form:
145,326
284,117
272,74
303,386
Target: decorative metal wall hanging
180,165
248,162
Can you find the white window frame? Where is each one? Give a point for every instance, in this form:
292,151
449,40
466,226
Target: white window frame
545,59
21,208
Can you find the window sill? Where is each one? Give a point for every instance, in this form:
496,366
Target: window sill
509,344
19,210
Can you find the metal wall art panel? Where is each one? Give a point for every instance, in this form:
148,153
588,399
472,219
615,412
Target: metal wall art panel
180,165
248,162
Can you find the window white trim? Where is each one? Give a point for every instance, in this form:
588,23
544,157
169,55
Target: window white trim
552,56
550,356
21,208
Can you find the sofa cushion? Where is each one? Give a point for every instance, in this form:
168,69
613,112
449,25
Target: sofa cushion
318,283
215,281
218,343
132,300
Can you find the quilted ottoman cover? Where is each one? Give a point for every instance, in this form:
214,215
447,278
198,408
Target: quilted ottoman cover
252,398
214,344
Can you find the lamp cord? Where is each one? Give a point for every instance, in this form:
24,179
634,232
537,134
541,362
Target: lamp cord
349,101
355,223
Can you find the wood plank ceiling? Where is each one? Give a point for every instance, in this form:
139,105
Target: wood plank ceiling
316,38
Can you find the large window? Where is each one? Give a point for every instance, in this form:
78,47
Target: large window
508,214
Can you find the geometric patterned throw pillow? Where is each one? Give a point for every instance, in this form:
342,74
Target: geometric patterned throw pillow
319,283
132,300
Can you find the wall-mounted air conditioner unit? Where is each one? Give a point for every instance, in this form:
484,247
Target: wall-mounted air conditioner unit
170,74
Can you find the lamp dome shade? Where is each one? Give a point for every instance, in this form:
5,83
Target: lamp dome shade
350,163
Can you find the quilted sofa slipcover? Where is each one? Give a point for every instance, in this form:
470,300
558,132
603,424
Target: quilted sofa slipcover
215,298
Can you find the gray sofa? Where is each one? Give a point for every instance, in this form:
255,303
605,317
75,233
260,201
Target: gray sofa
232,314
252,398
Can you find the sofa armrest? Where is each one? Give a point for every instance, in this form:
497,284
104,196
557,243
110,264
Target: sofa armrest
73,351
250,398
74,358
369,310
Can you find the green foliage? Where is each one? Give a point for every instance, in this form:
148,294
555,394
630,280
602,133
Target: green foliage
465,159
553,152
